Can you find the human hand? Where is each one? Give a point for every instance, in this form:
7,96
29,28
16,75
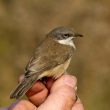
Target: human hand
55,95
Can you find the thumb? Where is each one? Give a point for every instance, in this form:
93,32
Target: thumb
62,94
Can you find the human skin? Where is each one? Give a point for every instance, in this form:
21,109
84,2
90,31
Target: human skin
53,95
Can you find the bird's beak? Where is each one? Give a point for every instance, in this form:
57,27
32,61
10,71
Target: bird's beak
78,35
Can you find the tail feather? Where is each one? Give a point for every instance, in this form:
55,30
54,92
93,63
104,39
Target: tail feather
23,87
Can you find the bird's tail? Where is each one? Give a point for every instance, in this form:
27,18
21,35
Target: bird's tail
23,86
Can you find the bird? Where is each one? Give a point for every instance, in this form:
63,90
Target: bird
50,59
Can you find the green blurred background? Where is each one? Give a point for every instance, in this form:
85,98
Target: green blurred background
23,25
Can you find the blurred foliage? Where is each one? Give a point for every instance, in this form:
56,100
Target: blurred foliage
23,25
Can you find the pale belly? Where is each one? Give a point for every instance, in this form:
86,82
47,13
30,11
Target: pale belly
56,72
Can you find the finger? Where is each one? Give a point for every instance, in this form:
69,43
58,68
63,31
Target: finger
22,105
38,93
62,95
78,105
69,80
36,88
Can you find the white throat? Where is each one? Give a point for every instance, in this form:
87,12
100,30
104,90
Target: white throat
67,41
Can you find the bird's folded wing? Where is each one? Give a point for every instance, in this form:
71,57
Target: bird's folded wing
41,64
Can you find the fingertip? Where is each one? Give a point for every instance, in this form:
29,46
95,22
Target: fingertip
39,98
65,80
70,80
36,88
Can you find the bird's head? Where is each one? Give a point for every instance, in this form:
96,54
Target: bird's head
64,35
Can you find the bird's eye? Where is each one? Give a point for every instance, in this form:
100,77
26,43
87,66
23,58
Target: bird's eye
67,35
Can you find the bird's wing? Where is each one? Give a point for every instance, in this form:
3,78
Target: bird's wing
38,64
41,63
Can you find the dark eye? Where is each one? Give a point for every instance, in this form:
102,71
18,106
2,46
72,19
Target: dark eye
66,35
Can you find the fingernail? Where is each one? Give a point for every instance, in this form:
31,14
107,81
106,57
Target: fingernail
76,88
69,82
